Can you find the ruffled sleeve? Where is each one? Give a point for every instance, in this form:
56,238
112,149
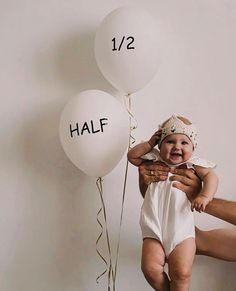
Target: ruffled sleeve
153,155
200,162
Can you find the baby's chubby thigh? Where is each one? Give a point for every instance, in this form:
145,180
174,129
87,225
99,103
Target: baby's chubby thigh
153,261
180,263
180,240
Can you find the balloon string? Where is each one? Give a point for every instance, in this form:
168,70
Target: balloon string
109,268
121,219
112,273
132,120
133,126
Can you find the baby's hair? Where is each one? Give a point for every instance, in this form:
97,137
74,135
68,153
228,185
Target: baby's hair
183,119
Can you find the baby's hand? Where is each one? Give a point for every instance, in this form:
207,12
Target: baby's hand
200,203
153,141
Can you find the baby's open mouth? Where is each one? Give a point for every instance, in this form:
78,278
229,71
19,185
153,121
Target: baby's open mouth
176,154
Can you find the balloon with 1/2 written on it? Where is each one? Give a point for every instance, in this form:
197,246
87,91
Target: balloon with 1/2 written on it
127,48
94,132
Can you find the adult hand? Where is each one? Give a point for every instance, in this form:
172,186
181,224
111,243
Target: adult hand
153,171
149,172
187,181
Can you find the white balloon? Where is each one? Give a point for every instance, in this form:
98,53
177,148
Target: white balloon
127,46
94,132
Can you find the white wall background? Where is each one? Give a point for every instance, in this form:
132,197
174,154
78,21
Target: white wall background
48,207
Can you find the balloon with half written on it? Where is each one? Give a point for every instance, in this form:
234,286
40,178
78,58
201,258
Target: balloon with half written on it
94,132
127,48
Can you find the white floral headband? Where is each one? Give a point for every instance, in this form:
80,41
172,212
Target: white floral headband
175,125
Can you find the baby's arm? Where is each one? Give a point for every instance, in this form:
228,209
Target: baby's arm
210,183
134,155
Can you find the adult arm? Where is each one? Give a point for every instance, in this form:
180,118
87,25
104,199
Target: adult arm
217,243
223,209
220,208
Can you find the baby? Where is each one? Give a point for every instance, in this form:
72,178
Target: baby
166,220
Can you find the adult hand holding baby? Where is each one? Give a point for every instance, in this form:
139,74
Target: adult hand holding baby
184,179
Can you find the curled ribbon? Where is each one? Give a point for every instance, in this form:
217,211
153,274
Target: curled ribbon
132,120
109,268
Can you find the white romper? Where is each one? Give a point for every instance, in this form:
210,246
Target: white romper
166,214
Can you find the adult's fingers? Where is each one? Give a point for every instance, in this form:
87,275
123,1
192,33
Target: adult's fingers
192,206
182,179
185,188
188,173
187,177
190,187
158,178
149,178
155,166
153,172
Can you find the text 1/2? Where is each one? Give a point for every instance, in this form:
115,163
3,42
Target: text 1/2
129,44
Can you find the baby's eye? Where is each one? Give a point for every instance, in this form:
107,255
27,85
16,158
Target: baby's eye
184,142
170,141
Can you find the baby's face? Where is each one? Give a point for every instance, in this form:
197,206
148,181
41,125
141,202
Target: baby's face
176,149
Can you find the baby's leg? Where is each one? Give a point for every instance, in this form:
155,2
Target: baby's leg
217,243
153,261
180,263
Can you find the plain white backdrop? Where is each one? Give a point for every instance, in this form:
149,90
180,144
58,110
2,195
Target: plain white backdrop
48,207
